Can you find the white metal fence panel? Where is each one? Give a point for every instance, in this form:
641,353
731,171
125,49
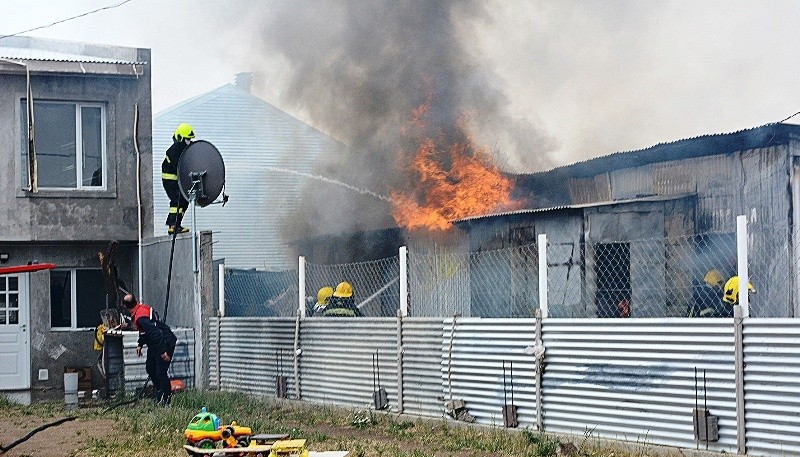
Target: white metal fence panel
336,365
634,379
252,353
772,386
422,358
473,370
182,366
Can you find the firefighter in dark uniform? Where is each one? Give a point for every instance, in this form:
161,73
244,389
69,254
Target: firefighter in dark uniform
160,342
342,303
169,176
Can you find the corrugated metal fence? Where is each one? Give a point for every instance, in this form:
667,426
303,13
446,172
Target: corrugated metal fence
634,380
182,366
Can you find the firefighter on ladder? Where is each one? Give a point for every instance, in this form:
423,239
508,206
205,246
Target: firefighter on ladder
169,176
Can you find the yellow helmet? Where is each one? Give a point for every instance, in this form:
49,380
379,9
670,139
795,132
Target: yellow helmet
731,293
324,294
343,290
183,132
713,278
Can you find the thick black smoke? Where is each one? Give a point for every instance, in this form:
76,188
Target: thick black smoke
360,68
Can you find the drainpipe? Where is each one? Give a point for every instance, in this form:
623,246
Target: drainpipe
138,188
795,241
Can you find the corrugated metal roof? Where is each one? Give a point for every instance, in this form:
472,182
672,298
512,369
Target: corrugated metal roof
704,145
18,48
12,53
651,198
253,137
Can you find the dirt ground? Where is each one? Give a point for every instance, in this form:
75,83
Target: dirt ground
62,440
70,438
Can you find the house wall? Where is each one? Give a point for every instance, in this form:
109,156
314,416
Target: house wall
182,310
87,215
69,228
54,350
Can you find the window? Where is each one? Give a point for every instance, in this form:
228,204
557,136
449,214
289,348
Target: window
70,145
613,272
9,300
76,298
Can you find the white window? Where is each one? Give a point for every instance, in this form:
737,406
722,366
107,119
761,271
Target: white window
77,296
9,300
70,145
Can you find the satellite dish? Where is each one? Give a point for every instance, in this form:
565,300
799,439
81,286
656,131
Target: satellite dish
202,171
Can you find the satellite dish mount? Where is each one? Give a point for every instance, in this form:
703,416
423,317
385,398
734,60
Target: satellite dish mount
201,179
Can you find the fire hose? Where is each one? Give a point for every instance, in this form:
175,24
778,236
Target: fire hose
6,448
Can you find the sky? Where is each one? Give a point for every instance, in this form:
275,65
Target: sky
546,83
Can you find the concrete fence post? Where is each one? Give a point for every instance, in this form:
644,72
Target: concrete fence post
740,312
542,250
301,314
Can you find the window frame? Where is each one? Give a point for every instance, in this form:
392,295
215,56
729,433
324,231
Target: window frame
73,318
78,144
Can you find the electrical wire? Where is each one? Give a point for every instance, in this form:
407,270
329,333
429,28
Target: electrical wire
793,115
68,19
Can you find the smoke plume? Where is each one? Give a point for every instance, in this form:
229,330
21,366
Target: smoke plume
359,69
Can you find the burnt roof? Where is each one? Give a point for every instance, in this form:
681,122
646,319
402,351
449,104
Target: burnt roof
699,146
550,186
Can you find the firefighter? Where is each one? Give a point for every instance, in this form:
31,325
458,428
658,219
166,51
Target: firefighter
160,342
169,177
707,300
731,291
342,303
323,298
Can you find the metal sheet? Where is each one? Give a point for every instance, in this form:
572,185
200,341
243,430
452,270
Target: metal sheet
473,370
634,379
772,386
336,365
252,352
422,356
182,366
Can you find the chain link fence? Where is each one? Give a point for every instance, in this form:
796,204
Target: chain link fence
376,284
648,278
256,293
497,283
665,277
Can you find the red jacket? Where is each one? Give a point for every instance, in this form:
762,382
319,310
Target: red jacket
153,333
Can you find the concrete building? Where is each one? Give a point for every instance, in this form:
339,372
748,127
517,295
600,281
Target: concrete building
268,155
91,141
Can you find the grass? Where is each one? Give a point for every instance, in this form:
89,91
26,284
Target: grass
144,429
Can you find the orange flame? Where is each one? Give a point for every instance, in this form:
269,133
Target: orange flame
451,180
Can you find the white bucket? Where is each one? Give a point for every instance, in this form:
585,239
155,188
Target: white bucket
71,390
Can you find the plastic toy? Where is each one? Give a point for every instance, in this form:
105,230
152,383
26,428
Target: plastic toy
204,432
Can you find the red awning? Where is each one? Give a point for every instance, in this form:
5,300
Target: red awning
26,268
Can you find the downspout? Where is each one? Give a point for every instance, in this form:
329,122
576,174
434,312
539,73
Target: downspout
795,234
33,172
138,188
33,178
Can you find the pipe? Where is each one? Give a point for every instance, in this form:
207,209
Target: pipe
138,189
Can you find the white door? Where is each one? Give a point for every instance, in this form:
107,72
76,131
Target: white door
15,350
